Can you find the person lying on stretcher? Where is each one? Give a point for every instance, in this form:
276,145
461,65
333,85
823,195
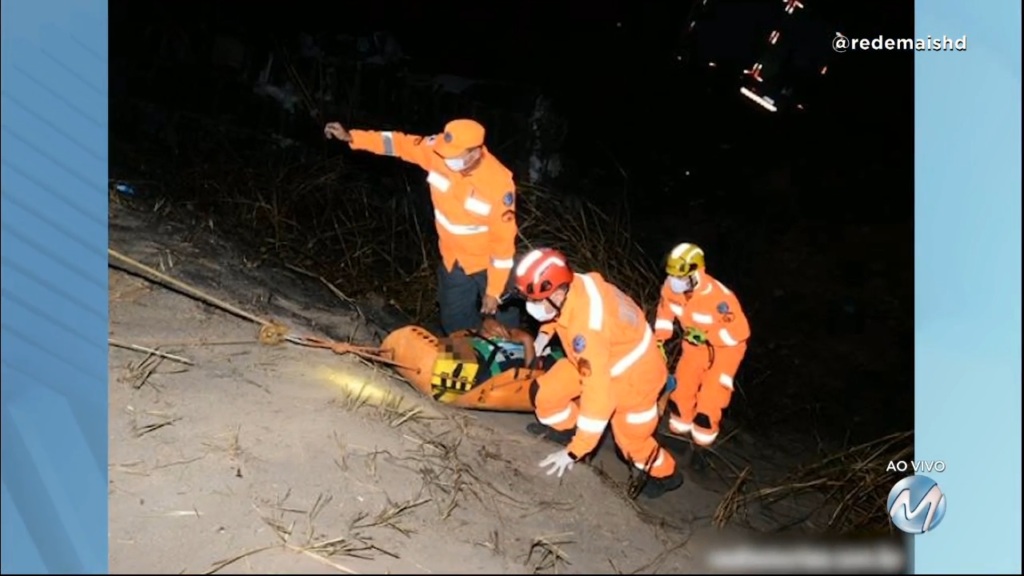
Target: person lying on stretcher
495,349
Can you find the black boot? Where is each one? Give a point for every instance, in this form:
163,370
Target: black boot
658,487
548,433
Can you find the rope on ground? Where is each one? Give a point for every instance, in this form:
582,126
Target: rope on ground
270,332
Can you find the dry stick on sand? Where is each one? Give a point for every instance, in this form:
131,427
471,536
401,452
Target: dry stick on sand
319,550
137,373
732,501
150,351
450,478
198,343
545,553
142,430
222,564
389,516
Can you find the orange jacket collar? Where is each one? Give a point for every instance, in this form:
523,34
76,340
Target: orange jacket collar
570,305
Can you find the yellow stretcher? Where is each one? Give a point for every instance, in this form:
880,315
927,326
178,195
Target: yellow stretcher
423,360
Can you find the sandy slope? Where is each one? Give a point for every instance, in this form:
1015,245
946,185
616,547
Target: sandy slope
262,449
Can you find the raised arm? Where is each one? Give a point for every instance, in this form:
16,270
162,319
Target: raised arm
408,147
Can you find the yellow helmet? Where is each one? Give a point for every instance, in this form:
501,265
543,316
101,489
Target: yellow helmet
684,259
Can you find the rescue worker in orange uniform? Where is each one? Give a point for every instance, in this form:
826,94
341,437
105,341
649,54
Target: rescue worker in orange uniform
715,334
474,199
613,372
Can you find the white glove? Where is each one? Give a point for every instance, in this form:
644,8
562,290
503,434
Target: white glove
559,462
540,344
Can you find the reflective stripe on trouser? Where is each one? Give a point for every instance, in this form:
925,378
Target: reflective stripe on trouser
633,431
557,390
458,297
701,389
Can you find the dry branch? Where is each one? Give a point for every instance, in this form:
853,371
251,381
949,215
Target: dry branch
148,351
854,484
325,221
364,239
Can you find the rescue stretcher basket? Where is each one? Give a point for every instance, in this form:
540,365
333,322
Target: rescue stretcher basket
435,372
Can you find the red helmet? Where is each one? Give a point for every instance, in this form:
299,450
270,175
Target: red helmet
541,272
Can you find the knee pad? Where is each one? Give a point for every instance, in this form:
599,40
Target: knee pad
534,390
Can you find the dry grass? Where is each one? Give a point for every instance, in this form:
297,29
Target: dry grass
140,372
452,477
149,421
229,444
592,239
381,403
295,529
854,485
389,516
450,473
547,554
149,351
325,219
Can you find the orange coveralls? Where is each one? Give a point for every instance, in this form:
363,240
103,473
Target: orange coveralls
474,213
704,374
613,372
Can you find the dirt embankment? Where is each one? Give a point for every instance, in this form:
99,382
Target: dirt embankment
281,459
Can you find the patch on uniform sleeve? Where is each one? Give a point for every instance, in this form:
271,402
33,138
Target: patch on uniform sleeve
725,311
508,199
579,344
508,216
727,316
583,365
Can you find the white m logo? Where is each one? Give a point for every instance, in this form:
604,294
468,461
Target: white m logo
928,506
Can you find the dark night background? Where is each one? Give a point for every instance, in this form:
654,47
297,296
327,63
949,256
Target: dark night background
806,213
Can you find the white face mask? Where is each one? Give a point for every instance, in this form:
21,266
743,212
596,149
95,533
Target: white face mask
455,164
680,285
539,311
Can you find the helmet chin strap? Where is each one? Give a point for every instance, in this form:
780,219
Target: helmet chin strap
558,309
695,279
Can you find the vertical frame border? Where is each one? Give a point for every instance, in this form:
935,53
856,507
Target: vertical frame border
968,283
55,297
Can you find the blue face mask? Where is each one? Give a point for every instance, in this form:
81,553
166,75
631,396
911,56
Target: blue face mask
680,285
